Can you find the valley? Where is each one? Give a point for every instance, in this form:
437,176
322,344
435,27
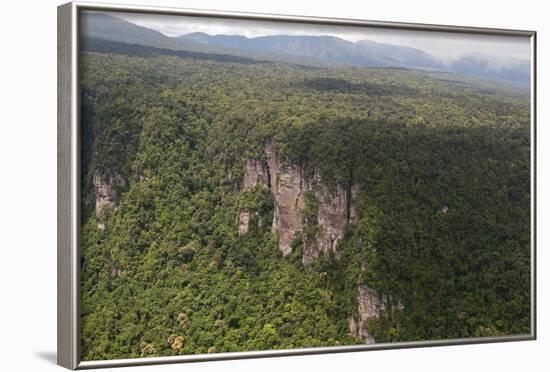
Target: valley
236,203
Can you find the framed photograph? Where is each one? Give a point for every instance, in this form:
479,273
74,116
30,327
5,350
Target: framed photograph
235,185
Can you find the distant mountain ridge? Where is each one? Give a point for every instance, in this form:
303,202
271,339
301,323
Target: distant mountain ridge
102,26
318,51
330,49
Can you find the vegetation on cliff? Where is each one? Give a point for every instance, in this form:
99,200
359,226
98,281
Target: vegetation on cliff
443,207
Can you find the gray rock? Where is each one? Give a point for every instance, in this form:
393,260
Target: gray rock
288,184
369,306
105,194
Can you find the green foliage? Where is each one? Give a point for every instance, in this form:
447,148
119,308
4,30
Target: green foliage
170,275
310,215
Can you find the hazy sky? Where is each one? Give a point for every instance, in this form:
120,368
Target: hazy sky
446,46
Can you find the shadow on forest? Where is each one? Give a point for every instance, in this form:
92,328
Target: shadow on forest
345,86
134,50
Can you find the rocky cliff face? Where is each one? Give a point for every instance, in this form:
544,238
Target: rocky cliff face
105,194
334,208
244,221
256,174
288,184
369,306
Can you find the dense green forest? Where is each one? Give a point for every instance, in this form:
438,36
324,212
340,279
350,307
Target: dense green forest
443,170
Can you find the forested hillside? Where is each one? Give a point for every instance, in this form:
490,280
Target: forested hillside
177,146
308,50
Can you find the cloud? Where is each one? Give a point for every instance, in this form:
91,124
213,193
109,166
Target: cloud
443,45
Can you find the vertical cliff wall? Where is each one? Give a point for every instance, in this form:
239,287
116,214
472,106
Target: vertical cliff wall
336,208
288,184
369,305
256,174
105,192
295,192
244,221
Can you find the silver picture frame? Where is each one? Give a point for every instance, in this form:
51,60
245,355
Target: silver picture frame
68,181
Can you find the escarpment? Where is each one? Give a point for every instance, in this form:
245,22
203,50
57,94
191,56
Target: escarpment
335,209
289,183
244,221
287,186
256,174
307,210
369,305
105,192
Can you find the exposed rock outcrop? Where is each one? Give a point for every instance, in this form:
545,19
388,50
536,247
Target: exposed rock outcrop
244,221
336,208
306,208
245,218
353,328
105,191
256,174
369,306
288,184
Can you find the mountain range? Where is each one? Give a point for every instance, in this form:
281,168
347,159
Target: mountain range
318,51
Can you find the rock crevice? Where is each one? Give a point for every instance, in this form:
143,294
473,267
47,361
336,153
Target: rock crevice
256,173
287,188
